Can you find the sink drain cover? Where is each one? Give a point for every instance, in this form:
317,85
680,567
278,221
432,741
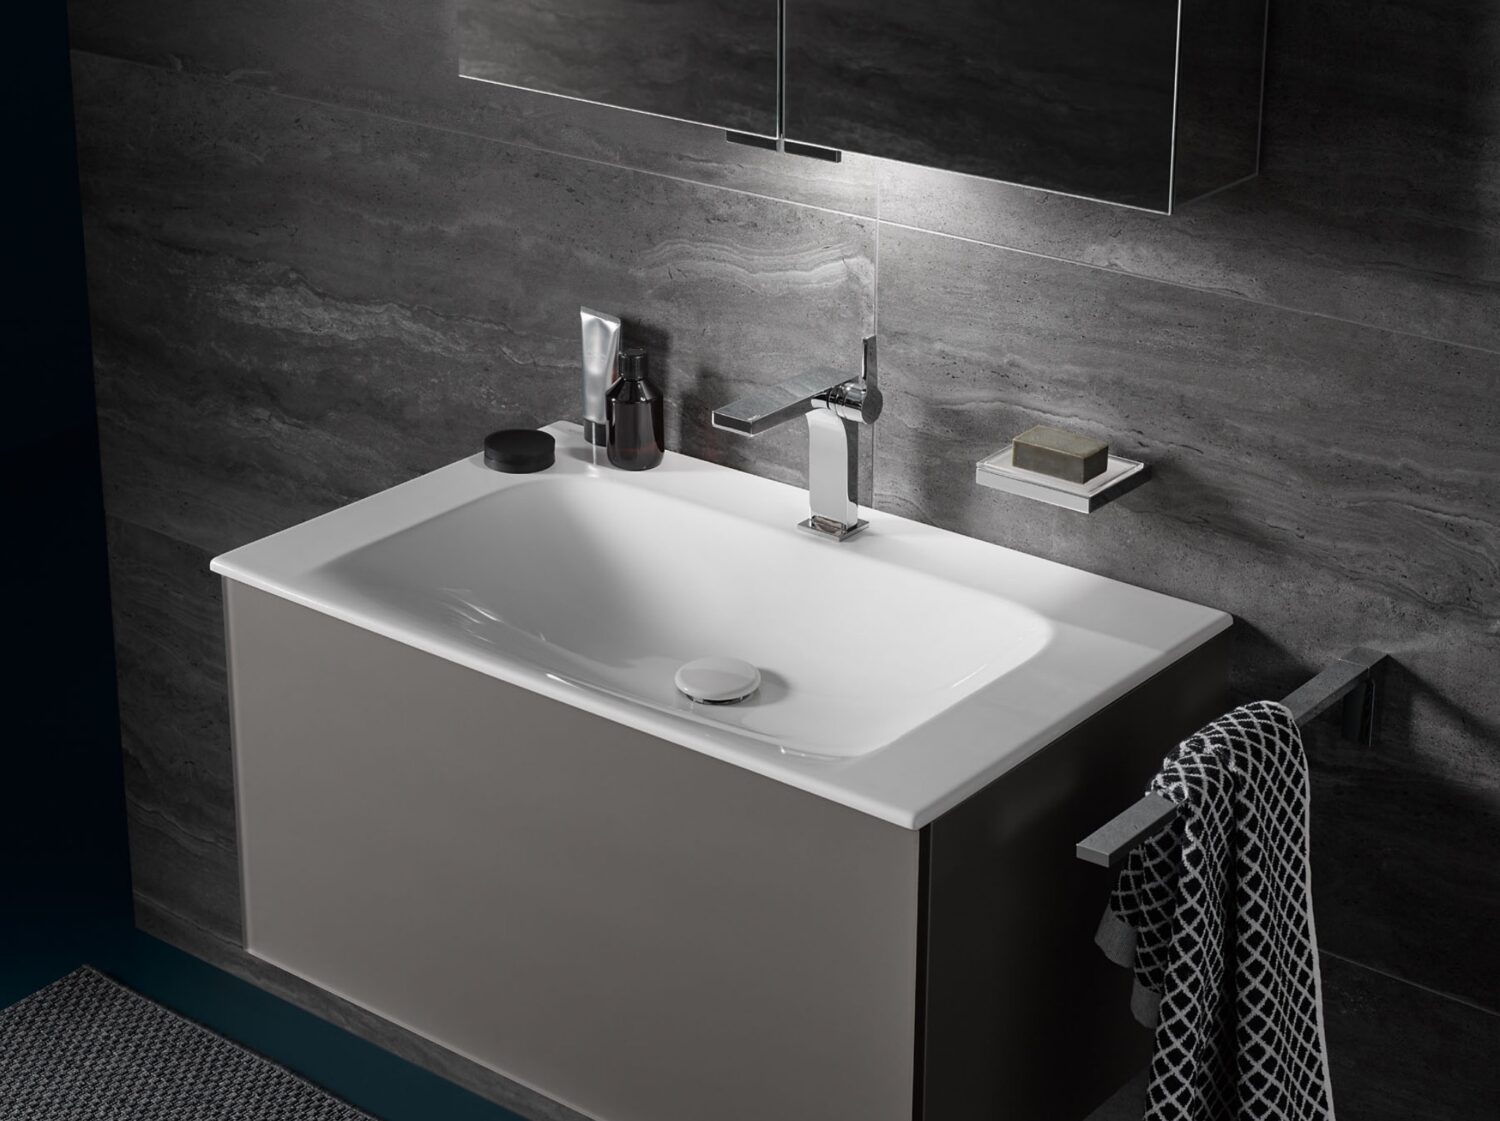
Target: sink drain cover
718,681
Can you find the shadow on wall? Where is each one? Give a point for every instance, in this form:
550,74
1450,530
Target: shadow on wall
693,395
1403,845
1380,119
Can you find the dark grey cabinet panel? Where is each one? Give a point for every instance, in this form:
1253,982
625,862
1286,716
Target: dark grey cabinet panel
712,61
1023,1018
1087,97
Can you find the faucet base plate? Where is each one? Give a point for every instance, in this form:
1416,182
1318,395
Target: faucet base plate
828,527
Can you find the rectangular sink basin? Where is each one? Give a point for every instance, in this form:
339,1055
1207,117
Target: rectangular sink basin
901,670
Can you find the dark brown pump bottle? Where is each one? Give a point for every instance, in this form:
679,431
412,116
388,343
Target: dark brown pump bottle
633,408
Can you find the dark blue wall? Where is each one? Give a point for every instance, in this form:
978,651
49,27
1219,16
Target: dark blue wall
62,822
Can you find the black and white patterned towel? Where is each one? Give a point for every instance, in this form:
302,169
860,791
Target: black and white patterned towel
1214,914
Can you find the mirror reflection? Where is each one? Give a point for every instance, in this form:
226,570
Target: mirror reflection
708,61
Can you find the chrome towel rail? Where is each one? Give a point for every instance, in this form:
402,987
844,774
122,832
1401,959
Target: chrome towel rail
1350,679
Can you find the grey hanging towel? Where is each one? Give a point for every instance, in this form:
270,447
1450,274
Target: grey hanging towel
1214,914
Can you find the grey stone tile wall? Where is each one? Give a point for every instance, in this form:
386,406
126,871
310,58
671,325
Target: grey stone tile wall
321,263
174,727
1379,194
1284,494
298,305
1396,1053
401,59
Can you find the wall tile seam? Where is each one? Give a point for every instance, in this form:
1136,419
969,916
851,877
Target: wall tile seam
1438,993
136,523
1215,293
339,107
467,134
143,900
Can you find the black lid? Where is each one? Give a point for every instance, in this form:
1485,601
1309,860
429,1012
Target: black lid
633,363
519,451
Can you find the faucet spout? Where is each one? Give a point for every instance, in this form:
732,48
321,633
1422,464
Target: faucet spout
774,405
835,409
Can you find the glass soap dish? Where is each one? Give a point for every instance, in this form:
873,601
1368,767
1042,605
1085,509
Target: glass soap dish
1121,477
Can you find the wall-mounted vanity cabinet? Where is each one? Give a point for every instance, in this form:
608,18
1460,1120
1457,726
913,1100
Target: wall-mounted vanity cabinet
1146,103
472,801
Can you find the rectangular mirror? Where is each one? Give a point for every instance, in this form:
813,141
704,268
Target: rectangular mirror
708,61
1140,102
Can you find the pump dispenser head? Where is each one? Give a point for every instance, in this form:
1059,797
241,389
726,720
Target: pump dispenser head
633,363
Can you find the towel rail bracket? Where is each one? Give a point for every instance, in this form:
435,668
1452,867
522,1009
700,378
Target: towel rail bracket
1352,681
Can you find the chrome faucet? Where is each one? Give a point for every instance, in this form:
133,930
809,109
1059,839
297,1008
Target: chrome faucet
837,410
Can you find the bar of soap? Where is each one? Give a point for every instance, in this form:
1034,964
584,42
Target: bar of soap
1062,455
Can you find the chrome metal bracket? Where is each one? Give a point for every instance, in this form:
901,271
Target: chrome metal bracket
831,528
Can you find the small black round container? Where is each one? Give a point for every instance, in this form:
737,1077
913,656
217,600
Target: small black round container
519,451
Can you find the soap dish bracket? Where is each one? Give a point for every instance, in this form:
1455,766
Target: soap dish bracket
1121,477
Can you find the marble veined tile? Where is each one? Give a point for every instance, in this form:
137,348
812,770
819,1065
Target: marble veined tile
294,306
401,59
1328,483
174,727
1378,199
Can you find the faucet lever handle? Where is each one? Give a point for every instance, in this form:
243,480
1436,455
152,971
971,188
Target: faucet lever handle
860,400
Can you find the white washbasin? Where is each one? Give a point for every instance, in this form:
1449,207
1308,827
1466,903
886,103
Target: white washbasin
901,670
612,586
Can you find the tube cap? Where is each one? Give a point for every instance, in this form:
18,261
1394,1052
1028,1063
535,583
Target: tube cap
519,451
